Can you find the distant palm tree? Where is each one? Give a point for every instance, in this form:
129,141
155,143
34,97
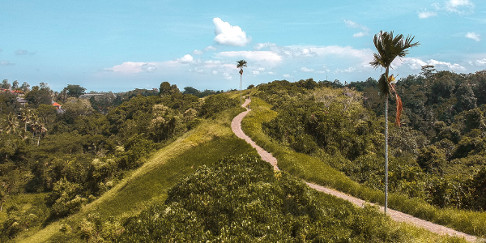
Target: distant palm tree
240,64
389,47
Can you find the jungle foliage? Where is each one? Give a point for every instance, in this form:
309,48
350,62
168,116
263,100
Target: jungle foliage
438,154
243,199
75,153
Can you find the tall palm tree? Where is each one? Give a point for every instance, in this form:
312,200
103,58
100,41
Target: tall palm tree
240,64
389,47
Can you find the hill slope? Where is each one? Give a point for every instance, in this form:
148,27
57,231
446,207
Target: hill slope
209,142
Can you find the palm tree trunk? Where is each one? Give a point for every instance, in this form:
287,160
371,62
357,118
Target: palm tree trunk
241,78
386,152
386,143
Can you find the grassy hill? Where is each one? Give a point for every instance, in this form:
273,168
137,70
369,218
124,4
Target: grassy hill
212,140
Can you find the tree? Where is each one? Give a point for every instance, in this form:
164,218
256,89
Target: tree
74,90
5,84
15,85
39,95
389,47
25,87
191,90
240,64
167,89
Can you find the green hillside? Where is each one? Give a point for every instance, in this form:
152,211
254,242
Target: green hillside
167,167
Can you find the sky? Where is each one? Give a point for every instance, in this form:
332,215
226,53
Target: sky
119,45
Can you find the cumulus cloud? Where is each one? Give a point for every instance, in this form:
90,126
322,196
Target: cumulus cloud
481,62
133,67
426,14
365,54
268,57
197,52
261,46
227,34
459,6
185,59
473,36
306,69
351,24
416,64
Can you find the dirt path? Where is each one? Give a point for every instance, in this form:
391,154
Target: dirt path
395,215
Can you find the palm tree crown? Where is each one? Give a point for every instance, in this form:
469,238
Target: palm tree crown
390,47
240,64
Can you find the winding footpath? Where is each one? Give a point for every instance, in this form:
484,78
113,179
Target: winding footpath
393,214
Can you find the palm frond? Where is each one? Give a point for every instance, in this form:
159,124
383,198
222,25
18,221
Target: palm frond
389,47
240,64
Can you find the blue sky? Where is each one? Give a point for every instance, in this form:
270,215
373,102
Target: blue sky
121,45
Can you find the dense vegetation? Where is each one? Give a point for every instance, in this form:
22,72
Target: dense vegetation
438,154
66,157
56,160
243,199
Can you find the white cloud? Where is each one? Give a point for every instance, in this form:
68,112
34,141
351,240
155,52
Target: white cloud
147,67
363,56
306,69
416,64
459,6
133,67
481,62
227,76
260,46
267,57
197,52
473,36
451,66
226,34
351,24
185,59
359,34
426,14
210,48
347,70
286,75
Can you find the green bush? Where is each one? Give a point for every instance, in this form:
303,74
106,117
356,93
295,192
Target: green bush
242,199
215,104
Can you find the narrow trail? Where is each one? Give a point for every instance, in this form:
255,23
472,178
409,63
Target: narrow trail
393,214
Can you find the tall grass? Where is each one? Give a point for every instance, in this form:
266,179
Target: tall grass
319,171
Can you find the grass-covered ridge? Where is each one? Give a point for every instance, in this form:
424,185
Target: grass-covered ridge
210,141
241,199
318,170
